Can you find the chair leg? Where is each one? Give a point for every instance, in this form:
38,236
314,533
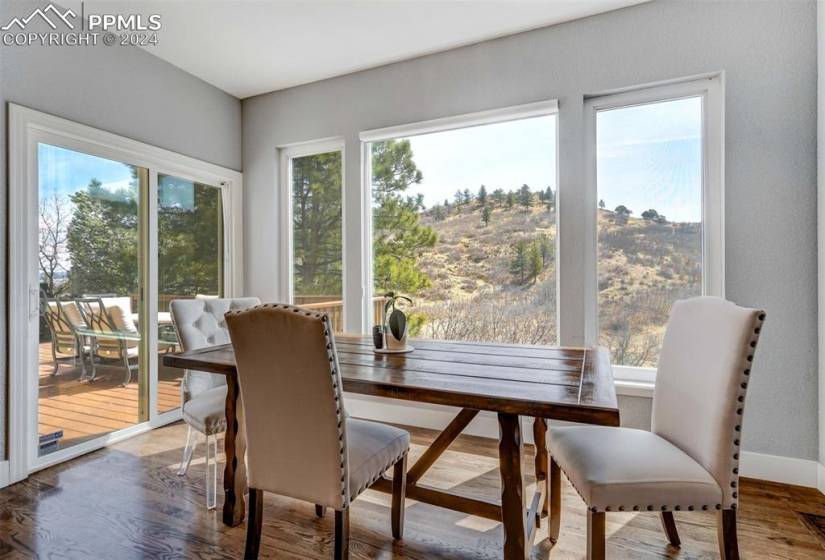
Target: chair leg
669,525
191,444
211,470
399,490
595,536
726,531
254,523
320,510
554,519
341,534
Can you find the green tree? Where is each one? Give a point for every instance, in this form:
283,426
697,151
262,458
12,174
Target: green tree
511,199
316,211
468,196
525,197
549,199
518,264
498,197
399,238
535,264
482,196
601,204
546,248
485,215
438,213
102,240
623,210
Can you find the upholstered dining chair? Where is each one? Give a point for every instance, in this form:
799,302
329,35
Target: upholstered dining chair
199,323
689,461
300,441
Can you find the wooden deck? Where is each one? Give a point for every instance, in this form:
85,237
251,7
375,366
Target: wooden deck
86,410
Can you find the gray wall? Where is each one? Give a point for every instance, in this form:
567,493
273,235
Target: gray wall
119,89
767,51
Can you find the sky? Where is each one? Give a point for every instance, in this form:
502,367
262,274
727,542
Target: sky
649,156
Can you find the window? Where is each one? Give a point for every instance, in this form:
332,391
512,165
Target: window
316,228
656,204
464,222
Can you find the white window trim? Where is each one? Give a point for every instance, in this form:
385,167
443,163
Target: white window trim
27,128
285,155
711,89
480,118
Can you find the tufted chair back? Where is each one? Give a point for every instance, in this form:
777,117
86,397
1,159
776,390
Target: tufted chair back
294,410
199,323
704,372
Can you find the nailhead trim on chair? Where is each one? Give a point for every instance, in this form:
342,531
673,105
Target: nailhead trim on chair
757,329
336,387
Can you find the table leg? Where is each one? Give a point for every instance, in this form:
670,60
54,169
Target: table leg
540,439
513,515
234,474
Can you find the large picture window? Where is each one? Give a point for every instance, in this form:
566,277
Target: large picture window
464,223
658,215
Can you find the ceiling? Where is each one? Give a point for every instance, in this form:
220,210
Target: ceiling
248,47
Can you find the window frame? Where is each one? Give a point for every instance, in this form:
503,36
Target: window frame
286,154
711,89
545,108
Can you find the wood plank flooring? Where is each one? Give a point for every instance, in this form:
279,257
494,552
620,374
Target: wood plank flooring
87,410
126,502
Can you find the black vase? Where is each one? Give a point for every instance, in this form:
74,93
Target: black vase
378,337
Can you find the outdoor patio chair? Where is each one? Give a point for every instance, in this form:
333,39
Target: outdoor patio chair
63,318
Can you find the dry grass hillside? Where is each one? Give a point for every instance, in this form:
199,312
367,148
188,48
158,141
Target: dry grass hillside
476,294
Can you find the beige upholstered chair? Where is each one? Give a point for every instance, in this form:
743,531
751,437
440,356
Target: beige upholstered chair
300,441
689,461
111,330
199,323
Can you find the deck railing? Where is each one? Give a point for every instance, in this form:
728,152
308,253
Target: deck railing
335,308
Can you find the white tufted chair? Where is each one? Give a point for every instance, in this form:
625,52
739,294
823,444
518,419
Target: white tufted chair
200,323
300,441
689,460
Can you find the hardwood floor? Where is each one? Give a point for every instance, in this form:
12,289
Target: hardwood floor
126,502
87,410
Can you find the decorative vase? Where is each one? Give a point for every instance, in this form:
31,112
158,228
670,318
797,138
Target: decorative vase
392,343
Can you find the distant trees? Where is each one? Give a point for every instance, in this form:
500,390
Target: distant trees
623,210
654,216
482,196
530,258
601,204
438,213
548,197
55,213
485,215
511,199
525,197
498,197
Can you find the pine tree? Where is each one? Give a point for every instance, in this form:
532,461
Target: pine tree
468,196
550,199
525,197
511,199
518,266
534,261
498,197
601,204
485,215
482,196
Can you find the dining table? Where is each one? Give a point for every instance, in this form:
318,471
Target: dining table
512,381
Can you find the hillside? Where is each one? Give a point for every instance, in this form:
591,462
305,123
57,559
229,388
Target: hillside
476,294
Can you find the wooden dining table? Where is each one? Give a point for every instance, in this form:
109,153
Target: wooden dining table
540,382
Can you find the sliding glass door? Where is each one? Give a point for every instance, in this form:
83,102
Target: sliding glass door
190,263
90,376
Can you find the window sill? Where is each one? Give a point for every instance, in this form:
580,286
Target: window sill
642,389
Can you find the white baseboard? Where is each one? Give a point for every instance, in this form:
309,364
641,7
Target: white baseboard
821,477
786,470
4,473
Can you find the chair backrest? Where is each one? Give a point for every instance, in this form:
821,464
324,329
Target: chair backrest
199,323
703,375
293,404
